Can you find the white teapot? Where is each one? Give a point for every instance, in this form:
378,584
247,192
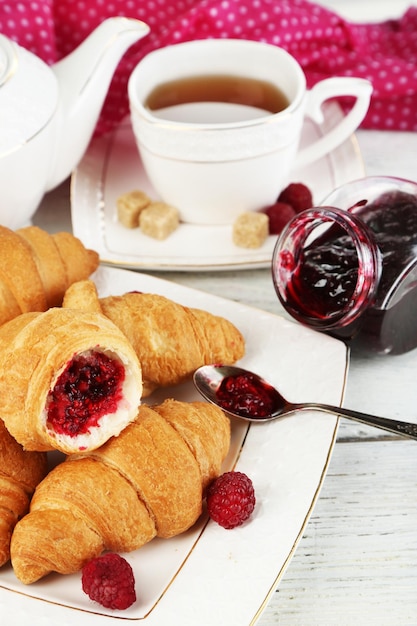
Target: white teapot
48,114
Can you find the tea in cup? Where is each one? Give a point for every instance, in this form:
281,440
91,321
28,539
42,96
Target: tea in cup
218,123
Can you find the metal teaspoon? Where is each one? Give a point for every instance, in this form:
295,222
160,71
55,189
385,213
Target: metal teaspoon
208,379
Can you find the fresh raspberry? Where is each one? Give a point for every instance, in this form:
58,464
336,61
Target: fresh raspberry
298,196
231,499
109,580
279,215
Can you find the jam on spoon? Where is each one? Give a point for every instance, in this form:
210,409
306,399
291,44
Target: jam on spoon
247,395
216,383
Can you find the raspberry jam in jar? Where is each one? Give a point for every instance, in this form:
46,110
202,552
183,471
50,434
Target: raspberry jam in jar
349,267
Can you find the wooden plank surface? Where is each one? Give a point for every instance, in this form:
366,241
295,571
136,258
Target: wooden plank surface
356,564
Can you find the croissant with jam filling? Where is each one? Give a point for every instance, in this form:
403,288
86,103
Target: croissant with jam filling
171,340
69,380
147,482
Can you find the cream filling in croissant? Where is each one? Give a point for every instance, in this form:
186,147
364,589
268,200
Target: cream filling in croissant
93,393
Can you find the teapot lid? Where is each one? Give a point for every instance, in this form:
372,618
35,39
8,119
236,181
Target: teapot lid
28,95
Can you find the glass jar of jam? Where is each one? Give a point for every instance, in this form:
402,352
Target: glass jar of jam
349,267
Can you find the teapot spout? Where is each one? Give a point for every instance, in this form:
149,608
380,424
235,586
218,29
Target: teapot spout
84,77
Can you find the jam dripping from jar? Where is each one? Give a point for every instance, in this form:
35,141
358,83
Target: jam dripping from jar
320,280
325,280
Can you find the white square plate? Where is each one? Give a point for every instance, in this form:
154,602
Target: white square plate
211,576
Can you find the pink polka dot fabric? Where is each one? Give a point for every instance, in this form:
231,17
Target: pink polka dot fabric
324,43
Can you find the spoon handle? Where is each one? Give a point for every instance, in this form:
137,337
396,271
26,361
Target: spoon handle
405,429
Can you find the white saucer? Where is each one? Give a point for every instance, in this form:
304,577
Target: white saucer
112,166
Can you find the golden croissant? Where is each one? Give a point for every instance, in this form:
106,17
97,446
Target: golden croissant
36,268
69,380
171,340
147,482
20,472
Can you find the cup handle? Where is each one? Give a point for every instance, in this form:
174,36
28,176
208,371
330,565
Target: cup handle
359,88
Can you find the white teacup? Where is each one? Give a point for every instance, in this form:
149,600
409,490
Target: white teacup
215,160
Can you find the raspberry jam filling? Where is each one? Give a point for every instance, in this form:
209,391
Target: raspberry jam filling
246,395
90,386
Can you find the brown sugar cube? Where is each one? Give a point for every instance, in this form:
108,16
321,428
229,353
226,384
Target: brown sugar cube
250,230
158,220
129,207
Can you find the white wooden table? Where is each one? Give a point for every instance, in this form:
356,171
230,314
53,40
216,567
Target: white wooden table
356,564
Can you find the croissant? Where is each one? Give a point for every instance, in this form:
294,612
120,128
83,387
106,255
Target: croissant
171,340
20,472
147,482
36,268
69,380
